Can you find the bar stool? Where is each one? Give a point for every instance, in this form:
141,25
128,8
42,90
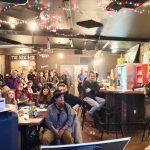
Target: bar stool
85,108
105,126
146,127
147,118
112,116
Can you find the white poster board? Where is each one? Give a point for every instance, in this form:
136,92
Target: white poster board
116,144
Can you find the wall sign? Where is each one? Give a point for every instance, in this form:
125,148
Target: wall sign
22,57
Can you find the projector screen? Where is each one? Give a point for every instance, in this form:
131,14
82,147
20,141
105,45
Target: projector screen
116,144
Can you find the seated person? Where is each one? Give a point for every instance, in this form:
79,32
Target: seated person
10,100
4,90
59,120
13,80
20,94
74,102
30,91
147,97
90,94
44,97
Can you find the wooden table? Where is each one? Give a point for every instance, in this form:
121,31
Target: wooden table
32,121
24,123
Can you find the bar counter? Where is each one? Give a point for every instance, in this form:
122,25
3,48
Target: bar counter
127,105
126,91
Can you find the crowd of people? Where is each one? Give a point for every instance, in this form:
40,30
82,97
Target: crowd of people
51,91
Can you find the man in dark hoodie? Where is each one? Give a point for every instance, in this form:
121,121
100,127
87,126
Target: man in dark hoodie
72,100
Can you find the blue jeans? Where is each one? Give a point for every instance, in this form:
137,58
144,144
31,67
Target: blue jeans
96,103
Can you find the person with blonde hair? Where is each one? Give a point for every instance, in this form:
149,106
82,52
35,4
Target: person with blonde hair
10,100
4,91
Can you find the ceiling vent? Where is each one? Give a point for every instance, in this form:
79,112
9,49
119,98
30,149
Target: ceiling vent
89,24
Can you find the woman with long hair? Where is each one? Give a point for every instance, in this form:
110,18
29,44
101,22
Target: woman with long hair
10,100
44,97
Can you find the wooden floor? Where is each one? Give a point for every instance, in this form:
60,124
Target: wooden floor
91,134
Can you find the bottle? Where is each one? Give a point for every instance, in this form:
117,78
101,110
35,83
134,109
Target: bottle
30,111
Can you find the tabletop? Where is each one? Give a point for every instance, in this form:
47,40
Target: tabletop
25,120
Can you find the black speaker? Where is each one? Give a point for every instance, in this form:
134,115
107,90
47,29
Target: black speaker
78,52
14,1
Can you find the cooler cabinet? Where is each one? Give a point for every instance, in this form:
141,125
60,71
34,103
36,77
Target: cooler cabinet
141,74
125,76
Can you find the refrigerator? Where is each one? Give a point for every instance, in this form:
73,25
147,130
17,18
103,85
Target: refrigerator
125,76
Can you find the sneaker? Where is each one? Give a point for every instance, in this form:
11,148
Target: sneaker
89,117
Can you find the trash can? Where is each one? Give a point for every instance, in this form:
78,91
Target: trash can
8,131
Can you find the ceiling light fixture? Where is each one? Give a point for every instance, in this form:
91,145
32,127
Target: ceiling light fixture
71,43
33,26
12,26
61,55
114,51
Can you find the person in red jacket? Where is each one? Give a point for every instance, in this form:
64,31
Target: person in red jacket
29,91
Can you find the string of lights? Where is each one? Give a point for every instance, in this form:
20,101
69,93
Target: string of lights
52,22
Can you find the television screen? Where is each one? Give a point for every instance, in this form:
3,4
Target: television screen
116,144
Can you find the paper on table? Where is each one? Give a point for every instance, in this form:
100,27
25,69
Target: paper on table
2,103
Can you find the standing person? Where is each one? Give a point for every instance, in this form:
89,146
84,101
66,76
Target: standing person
44,97
90,94
53,80
59,120
13,80
2,81
81,78
40,79
66,79
31,76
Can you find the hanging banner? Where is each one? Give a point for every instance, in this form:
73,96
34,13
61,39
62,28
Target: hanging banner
22,57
